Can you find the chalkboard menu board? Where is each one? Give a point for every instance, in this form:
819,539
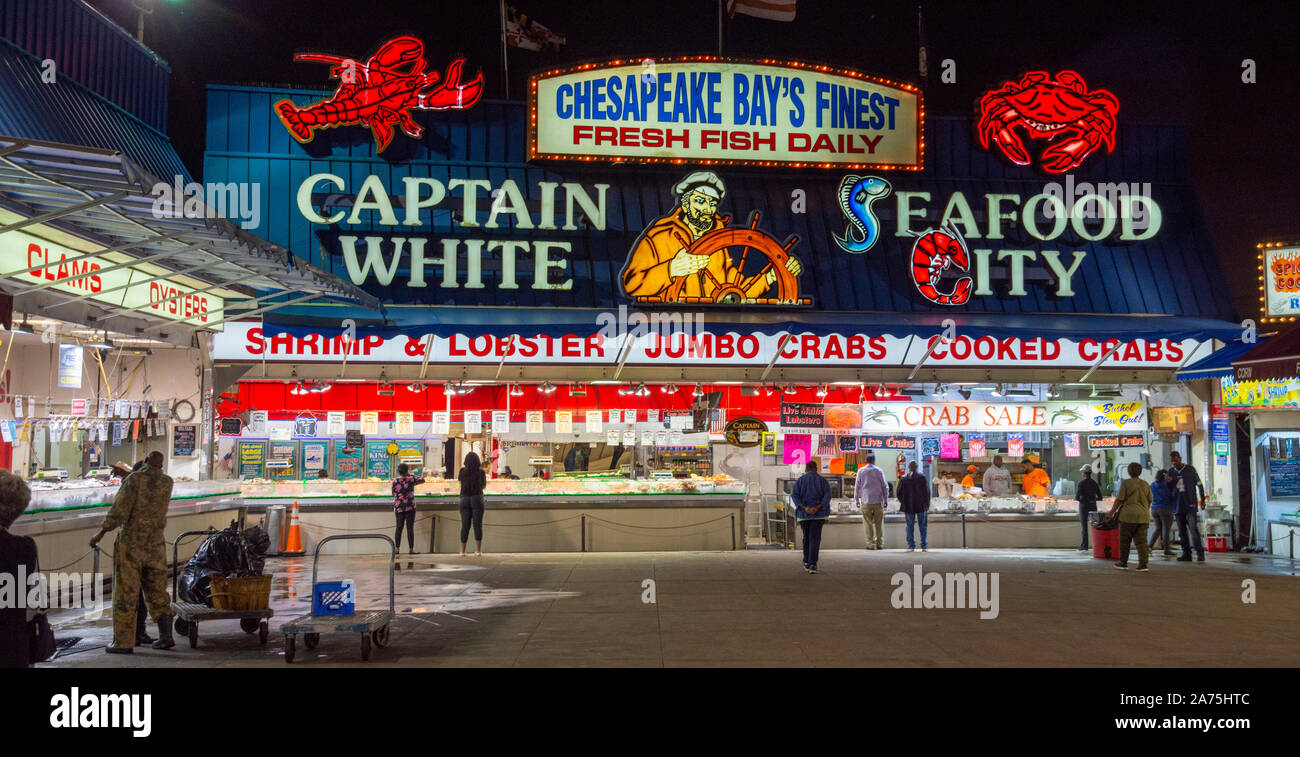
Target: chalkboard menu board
231,426
354,437
252,458
1284,466
185,440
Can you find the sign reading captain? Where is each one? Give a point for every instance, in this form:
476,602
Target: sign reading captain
690,256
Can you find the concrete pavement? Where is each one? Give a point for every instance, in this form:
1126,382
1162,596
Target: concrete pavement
758,607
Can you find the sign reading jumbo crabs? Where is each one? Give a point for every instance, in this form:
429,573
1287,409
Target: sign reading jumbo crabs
713,110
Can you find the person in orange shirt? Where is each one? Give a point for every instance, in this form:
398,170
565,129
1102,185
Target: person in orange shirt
970,476
1035,482
662,268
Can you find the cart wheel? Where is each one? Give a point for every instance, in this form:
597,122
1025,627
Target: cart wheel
380,636
290,643
262,633
182,626
194,635
311,640
365,647
249,625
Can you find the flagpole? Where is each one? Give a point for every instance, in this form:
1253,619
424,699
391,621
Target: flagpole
505,61
719,28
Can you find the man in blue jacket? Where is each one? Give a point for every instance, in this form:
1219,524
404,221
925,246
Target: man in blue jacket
812,500
1185,486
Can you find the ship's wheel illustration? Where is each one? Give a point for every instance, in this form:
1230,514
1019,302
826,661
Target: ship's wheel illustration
743,241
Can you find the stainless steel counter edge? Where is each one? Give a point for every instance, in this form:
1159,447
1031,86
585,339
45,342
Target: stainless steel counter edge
72,520
936,517
507,502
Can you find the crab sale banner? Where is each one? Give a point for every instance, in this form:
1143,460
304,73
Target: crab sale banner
884,417
731,111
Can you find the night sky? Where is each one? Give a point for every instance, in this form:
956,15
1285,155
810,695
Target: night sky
1166,62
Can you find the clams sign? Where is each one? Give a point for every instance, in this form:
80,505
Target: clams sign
712,110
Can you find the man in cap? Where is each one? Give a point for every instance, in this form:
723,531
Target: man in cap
139,555
1088,492
662,267
997,480
1035,481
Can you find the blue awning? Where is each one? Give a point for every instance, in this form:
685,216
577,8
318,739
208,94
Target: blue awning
1218,364
445,321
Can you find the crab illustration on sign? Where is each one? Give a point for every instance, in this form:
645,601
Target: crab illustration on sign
691,255
935,252
381,93
1062,110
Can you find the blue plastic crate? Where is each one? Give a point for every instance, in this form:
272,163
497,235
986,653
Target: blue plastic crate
334,598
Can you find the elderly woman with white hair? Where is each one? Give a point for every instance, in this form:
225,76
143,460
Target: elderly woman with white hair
17,557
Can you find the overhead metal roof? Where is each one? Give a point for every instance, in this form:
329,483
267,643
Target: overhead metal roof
104,198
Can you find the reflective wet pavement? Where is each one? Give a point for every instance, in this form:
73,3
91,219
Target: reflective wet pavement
758,607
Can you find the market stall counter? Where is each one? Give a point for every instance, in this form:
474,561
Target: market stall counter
969,522
567,513
63,515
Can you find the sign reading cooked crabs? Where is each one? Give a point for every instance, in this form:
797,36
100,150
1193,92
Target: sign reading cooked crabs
988,416
769,112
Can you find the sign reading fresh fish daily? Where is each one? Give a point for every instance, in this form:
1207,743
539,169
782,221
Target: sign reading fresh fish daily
715,110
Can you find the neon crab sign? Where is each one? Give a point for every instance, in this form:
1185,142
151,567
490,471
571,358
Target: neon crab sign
381,93
1074,120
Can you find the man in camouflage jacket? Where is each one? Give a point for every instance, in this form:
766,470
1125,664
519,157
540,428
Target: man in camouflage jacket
140,554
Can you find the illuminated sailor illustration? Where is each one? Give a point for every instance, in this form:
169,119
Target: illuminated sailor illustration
692,256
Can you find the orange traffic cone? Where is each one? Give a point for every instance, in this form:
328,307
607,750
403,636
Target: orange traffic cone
294,545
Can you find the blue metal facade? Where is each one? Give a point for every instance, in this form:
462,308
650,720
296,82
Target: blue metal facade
1174,273
92,51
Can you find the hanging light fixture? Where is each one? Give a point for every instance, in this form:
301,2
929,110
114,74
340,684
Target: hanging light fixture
625,389
546,387
789,389
821,390
670,388
1000,390
699,390
1147,391
940,392
516,390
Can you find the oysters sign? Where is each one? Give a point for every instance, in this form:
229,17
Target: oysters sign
714,110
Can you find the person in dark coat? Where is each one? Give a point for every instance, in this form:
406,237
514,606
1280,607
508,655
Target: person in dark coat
17,555
1087,493
812,498
914,497
473,480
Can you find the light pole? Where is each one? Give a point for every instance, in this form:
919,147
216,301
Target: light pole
143,8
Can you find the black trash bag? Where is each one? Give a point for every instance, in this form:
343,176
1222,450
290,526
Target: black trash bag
258,541
1099,521
226,553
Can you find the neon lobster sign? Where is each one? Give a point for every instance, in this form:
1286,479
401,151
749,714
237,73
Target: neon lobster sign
381,93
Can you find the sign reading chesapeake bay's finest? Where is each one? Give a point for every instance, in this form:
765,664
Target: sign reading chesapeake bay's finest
35,261
732,111
745,431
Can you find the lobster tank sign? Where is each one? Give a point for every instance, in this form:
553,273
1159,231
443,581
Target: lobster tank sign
711,110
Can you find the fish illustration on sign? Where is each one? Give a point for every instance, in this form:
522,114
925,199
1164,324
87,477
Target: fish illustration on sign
856,195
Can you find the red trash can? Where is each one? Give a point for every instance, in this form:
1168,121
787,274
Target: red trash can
1105,543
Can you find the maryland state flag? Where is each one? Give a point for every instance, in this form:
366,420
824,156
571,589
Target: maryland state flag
772,10
522,31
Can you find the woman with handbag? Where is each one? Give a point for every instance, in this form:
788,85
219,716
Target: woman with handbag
25,636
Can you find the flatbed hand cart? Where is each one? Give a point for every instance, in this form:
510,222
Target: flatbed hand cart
188,614
373,625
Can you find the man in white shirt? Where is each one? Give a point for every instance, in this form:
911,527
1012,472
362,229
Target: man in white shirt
871,493
997,480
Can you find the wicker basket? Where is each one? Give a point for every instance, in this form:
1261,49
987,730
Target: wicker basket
237,594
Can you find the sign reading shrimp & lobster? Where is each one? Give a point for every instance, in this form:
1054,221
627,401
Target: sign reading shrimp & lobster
880,417
713,110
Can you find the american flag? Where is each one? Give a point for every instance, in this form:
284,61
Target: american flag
522,31
772,10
